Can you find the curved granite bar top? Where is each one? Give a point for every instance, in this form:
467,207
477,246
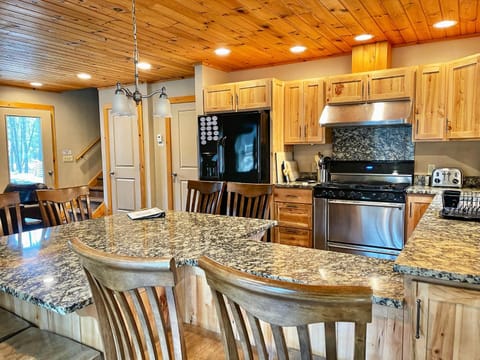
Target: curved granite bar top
441,248
39,267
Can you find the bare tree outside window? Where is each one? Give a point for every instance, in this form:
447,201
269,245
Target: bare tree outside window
25,151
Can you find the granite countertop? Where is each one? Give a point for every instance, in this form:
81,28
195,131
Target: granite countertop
442,249
297,184
38,266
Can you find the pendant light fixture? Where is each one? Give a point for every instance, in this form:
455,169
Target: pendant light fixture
122,101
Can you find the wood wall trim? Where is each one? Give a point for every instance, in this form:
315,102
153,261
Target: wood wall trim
182,99
168,146
51,109
106,141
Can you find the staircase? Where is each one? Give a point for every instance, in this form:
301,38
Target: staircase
96,196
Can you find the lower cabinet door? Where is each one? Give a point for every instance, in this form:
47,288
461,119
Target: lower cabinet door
446,322
293,236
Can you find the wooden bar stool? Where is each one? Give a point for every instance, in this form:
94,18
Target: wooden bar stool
283,304
62,206
138,308
204,196
249,200
7,201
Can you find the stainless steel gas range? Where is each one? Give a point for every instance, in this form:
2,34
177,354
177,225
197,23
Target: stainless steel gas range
361,209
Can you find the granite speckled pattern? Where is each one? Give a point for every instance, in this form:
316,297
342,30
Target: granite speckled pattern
442,249
39,267
373,143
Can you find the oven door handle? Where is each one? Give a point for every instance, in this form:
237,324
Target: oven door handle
368,203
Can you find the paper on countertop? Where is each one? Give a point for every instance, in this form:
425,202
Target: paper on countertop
146,214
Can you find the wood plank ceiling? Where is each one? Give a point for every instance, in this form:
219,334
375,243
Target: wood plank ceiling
50,41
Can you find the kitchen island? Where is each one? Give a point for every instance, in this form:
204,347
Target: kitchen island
441,266
41,278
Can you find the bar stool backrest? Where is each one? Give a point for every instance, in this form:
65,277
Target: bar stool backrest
204,196
62,206
7,201
249,200
245,300
135,323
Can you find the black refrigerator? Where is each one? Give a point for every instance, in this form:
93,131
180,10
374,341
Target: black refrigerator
235,147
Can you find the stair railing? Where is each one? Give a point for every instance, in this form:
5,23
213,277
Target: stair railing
87,149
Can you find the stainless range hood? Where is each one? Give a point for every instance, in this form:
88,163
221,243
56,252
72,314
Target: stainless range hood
375,113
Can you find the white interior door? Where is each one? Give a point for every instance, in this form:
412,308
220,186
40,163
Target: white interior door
124,163
30,130
184,150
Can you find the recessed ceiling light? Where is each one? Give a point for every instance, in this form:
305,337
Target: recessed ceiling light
84,76
297,49
38,84
144,66
363,37
222,51
444,24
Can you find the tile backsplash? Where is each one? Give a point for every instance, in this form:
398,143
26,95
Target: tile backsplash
373,143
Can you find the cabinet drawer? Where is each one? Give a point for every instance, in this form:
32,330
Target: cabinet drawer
291,236
294,215
293,195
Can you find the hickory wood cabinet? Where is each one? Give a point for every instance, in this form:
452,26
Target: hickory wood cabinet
293,211
416,206
377,85
444,321
447,102
244,95
304,101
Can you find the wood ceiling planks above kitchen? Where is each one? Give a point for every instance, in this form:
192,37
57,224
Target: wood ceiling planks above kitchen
50,41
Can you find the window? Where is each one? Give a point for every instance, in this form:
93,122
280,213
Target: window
25,150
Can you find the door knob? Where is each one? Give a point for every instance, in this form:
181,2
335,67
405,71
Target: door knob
50,172
174,175
112,173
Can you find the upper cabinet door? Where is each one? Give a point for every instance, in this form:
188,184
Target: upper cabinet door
430,121
313,100
462,100
256,94
346,88
391,84
293,114
219,98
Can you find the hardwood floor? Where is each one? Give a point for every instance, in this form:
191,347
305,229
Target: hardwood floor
207,344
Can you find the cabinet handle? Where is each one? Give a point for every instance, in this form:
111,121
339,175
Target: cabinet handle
416,129
410,210
447,126
417,329
236,99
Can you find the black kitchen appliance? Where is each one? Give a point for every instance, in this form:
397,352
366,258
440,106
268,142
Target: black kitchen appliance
459,205
234,147
361,209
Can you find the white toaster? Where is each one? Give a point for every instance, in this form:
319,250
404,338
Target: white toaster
447,177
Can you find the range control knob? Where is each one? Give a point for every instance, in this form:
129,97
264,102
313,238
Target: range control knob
330,194
455,181
437,180
341,194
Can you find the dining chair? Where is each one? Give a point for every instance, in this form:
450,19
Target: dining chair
249,200
8,201
252,299
138,307
204,196
62,206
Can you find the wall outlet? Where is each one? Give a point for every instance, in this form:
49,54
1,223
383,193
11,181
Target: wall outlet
430,168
